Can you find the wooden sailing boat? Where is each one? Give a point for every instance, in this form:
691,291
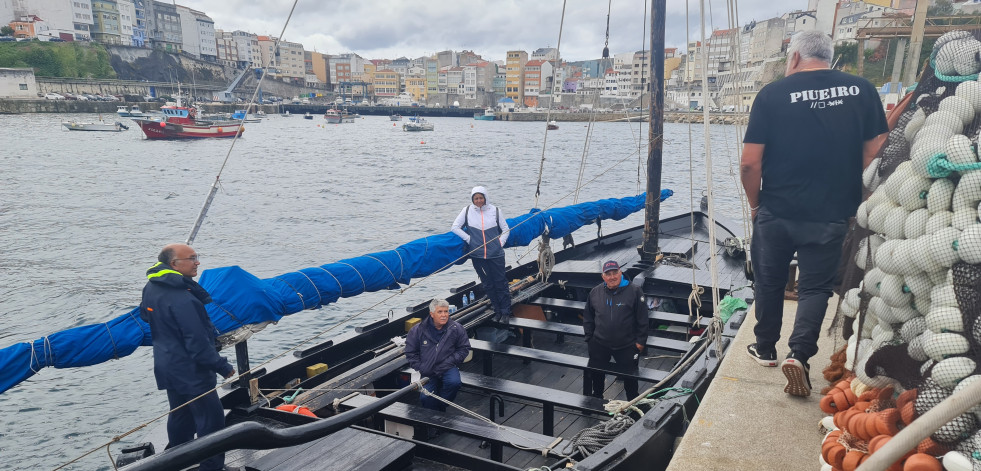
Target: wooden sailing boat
523,403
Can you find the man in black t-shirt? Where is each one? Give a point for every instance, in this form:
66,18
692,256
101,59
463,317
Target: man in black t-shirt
809,137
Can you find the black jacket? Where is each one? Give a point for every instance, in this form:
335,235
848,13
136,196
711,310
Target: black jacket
616,318
432,357
185,356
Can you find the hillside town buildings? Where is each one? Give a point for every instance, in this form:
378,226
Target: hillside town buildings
733,62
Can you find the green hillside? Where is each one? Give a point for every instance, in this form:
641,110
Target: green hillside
56,59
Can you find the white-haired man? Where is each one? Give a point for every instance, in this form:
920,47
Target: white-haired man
809,137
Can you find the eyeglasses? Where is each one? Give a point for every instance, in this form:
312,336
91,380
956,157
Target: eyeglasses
193,258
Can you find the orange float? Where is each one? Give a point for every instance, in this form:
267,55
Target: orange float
922,462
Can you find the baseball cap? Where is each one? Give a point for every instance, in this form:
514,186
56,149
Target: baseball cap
611,265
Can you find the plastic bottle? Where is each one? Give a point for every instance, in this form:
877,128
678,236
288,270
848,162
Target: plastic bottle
464,301
471,297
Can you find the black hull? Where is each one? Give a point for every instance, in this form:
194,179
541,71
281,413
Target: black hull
539,388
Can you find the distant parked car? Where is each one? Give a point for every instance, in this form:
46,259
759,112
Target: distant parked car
81,97
56,40
53,96
7,38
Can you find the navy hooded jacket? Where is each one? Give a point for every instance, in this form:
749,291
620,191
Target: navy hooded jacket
185,356
432,356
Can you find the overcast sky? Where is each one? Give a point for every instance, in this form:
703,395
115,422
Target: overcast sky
388,29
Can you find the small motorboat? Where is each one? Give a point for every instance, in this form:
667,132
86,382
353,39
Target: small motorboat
308,116
77,126
418,124
395,117
333,116
131,112
487,115
551,126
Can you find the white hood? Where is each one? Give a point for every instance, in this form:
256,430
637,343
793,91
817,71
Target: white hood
481,190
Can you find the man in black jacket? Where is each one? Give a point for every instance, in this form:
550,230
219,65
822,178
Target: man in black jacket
185,356
436,347
615,323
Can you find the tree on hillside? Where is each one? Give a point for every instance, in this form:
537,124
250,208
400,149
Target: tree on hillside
941,8
6,31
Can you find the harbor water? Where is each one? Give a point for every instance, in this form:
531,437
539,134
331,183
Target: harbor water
84,214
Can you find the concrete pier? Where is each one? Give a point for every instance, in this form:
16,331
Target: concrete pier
746,422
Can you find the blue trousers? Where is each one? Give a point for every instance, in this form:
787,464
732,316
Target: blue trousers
491,274
202,416
445,386
818,248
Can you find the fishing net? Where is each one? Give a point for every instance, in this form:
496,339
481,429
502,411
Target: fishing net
910,297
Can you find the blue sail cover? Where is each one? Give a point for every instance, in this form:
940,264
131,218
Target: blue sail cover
240,298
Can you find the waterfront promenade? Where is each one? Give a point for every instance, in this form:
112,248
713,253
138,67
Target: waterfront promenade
746,422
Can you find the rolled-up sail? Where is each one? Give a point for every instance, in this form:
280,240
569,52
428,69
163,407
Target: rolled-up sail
241,299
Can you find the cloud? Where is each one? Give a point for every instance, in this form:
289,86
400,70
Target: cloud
387,29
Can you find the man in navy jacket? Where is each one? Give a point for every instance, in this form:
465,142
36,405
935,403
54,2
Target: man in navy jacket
435,348
615,323
185,356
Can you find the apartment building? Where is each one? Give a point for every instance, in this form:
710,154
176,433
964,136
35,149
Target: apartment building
165,27
105,28
61,19
416,86
514,78
198,34
387,83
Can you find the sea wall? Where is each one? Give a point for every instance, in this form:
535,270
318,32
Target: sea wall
107,107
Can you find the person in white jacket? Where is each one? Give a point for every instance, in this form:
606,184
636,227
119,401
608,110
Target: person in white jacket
485,230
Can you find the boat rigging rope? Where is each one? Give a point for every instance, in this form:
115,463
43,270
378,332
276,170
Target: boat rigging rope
340,323
713,256
544,449
238,133
548,114
695,297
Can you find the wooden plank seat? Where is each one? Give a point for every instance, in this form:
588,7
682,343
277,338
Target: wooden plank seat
548,397
577,331
571,361
657,316
496,435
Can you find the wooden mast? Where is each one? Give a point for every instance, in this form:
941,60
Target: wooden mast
655,133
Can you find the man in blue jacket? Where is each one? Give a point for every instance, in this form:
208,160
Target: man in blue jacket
435,348
615,323
185,356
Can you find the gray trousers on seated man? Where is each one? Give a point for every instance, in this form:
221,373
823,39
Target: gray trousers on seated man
818,248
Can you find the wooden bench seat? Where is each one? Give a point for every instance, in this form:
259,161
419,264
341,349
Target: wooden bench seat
571,361
548,397
496,435
657,316
577,331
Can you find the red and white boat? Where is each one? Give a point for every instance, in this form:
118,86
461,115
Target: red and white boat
180,122
333,116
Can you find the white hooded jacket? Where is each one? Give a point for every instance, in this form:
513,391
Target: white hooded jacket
482,227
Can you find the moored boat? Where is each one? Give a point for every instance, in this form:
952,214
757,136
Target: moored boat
131,112
395,117
552,125
242,116
333,116
487,115
418,124
77,126
180,122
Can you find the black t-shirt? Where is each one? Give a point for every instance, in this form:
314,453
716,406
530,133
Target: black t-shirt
813,125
